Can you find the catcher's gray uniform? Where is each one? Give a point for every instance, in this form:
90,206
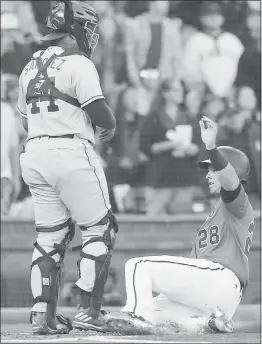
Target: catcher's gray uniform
62,169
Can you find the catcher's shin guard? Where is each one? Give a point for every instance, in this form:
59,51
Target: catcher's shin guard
101,263
49,269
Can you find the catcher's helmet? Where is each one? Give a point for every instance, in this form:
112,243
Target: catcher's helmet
76,18
236,158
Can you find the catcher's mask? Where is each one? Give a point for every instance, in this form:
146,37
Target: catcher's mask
75,18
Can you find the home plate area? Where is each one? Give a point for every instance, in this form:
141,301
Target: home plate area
21,334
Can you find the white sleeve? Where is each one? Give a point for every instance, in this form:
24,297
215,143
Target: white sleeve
86,82
21,102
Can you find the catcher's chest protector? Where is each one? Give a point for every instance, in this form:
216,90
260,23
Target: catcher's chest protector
42,87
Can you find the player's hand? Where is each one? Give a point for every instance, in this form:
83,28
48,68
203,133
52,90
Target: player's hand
208,132
107,134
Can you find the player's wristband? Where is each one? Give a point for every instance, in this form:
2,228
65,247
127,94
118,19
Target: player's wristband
217,160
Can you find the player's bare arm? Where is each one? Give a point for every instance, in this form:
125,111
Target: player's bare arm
101,115
226,174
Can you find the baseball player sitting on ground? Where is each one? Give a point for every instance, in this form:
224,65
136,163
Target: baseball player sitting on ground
201,292
61,103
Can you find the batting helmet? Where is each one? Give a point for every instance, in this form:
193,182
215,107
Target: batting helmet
236,158
76,18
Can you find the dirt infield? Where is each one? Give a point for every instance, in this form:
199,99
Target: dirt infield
15,328
21,334
15,315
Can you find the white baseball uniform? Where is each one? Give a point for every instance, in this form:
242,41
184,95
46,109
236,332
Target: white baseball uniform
183,285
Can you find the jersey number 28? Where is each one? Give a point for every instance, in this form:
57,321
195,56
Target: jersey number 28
212,236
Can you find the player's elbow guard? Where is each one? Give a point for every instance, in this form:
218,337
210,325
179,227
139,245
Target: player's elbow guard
100,114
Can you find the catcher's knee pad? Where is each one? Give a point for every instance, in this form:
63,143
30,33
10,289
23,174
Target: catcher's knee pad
47,262
95,257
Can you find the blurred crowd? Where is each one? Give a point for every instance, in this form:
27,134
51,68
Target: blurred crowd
162,65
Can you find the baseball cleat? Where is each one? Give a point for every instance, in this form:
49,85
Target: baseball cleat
84,322
219,322
128,322
41,326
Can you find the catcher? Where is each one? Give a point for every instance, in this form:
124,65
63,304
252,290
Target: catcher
61,103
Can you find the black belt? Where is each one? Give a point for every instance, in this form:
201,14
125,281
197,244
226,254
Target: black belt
67,136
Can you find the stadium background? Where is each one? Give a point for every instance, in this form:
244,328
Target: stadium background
135,178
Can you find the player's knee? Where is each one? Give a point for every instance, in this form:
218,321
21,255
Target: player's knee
105,229
48,242
131,263
96,248
49,239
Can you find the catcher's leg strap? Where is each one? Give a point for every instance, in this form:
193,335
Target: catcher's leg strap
93,273
49,269
95,259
